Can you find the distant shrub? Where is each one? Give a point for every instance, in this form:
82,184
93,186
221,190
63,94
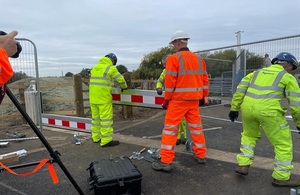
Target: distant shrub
69,74
18,76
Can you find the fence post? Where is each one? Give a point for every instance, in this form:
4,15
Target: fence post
78,95
152,84
30,97
127,110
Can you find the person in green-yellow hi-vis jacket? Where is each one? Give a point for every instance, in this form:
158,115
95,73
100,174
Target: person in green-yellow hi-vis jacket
181,138
259,96
102,77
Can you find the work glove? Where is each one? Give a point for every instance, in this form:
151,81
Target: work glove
122,89
159,91
165,104
298,128
233,115
201,102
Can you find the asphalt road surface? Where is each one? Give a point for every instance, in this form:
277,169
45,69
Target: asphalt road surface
187,176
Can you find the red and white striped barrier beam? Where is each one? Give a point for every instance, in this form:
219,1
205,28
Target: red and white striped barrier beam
67,122
133,97
130,97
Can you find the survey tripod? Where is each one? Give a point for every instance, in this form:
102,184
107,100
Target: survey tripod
53,153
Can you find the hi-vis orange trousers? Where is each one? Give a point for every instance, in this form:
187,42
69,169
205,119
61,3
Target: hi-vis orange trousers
176,110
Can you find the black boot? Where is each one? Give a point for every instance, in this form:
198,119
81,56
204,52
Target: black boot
111,143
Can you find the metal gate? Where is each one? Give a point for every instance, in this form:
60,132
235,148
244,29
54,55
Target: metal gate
26,67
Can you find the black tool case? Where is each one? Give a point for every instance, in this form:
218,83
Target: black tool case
115,176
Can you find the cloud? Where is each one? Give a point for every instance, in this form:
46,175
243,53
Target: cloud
71,35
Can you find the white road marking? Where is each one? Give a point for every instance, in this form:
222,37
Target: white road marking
157,136
225,156
213,128
12,189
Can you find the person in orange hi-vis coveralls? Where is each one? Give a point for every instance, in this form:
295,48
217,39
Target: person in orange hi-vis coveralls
186,83
8,48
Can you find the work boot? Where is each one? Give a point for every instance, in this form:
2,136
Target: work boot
243,170
160,166
178,142
111,143
200,160
292,182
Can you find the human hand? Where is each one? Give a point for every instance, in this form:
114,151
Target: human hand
165,104
8,42
206,101
159,91
233,115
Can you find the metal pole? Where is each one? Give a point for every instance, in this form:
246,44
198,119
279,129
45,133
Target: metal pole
245,62
238,50
53,153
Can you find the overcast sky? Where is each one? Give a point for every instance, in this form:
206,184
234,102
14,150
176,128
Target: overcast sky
74,34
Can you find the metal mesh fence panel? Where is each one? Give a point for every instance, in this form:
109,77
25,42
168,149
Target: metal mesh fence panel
25,70
253,56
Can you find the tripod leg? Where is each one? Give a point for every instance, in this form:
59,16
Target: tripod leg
54,154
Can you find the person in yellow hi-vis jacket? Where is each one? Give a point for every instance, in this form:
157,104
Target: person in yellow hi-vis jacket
102,80
259,96
181,137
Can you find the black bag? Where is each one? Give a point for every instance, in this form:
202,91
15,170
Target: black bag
115,176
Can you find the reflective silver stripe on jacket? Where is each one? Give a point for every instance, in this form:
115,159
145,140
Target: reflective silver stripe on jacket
293,95
284,126
100,84
100,78
244,83
182,71
184,89
256,96
103,78
241,90
273,87
160,80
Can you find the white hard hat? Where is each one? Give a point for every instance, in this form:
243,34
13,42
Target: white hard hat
179,35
